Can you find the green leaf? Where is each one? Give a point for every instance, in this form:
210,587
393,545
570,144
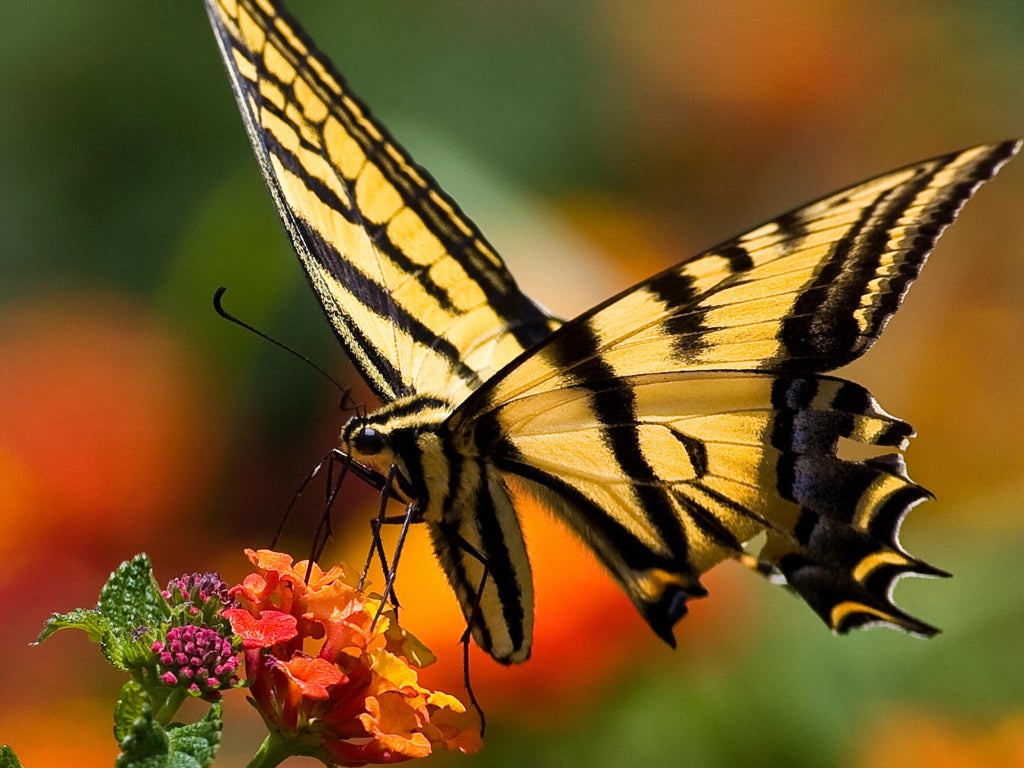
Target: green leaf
130,606
7,758
197,742
149,745
91,622
146,745
125,651
131,598
131,705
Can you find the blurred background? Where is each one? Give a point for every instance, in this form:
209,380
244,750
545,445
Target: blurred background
594,143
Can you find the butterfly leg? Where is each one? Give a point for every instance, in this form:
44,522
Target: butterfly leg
390,570
412,512
332,487
376,547
467,634
323,530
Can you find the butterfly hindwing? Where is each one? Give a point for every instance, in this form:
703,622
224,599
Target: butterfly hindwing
696,468
416,295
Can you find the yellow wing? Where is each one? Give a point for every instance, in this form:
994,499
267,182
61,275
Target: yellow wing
415,294
683,421
677,424
700,467
806,292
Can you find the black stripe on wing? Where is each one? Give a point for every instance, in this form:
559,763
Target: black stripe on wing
756,476
843,556
666,608
378,300
615,410
479,545
803,293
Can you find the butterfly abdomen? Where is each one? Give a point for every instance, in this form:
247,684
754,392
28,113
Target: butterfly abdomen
476,536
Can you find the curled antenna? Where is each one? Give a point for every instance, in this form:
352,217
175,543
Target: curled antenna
219,308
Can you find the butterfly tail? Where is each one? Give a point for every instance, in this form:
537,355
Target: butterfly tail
843,555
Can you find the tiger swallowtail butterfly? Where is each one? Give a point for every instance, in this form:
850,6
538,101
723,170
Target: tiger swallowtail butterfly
680,423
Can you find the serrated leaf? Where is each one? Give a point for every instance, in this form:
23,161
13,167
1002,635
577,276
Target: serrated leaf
90,622
129,603
130,706
197,742
131,597
146,745
7,758
127,652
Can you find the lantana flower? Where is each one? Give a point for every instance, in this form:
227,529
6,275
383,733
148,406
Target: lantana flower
195,655
197,659
332,674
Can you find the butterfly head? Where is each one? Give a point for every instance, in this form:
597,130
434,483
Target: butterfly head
394,439
368,441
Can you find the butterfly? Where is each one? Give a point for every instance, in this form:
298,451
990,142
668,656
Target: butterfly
685,421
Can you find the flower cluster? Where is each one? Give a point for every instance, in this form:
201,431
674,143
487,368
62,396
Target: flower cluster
197,588
197,659
196,654
356,699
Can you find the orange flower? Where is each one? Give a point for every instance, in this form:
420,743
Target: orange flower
357,700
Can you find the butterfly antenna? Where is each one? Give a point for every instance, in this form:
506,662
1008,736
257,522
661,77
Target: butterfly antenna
349,403
218,306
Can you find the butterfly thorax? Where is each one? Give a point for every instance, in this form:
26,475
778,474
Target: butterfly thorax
464,501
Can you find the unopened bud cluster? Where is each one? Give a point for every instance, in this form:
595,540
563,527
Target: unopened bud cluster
198,659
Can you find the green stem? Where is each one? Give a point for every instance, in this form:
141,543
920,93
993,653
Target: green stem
170,705
273,751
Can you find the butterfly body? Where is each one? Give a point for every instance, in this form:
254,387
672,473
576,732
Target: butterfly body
465,503
685,421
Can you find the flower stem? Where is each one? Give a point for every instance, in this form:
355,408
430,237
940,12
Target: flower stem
273,751
170,705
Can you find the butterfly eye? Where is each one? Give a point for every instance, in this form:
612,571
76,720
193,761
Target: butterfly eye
369,442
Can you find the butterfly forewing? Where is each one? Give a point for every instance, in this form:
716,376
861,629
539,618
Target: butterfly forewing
416,295
806,292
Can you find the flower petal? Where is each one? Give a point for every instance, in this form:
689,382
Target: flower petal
312,675
271,627
394,725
